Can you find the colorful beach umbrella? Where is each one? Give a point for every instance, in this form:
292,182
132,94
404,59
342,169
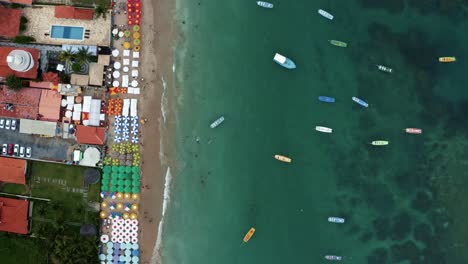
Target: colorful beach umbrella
136,35
106,169
126,45
127,33
136,42
136,28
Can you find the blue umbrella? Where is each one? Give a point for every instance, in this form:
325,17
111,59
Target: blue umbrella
125,130
125,137
126,118
135,124
134,140
117,130
136,252
118,118
102,257
133,118
135,246
117,139
134,132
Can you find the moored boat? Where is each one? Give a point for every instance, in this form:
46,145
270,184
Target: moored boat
380,142
284,61
249,235
326,99
384,68
333,257
264,4
323,129
411,130
283,158
217,122
325,14
447,59
334,219
338,43
360,101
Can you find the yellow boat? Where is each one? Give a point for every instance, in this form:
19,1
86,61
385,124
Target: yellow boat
283,158
249,235
447,59
379,142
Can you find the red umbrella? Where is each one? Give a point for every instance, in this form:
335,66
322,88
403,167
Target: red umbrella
129,22
137,4
137,21
137,16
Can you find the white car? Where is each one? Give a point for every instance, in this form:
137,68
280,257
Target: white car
28,152
2,123
7,124
16,150
4,149
13,124
21,152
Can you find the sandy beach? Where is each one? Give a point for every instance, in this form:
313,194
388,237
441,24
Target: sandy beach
157,55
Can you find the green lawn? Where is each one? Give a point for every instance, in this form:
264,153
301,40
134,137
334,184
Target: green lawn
21,250
12,188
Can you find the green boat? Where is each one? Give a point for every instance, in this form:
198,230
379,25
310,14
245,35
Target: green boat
338,43
379,142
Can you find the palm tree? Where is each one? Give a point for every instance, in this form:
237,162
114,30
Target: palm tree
83,55
66,55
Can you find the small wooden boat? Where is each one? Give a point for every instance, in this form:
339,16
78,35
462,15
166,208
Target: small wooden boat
334,219
283,158
338,43
325,14
379,142
384,68
447,59
411,130
323,129
360,101
249,235
326,99
333,257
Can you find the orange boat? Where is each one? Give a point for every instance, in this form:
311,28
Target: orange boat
249,235
447,59
283,158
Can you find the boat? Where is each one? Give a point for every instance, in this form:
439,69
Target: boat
283,158
264,4
338,43
333,257
326,99
411,130
217,122
325,14
283,61
360,101
447,59
334,219
249,235
384,68
323,129
379,142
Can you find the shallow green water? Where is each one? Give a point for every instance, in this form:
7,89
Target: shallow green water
402,203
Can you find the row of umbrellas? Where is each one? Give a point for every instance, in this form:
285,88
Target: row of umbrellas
120,245
121,169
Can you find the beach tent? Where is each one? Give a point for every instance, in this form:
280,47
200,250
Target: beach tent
133,107
126,52
125,80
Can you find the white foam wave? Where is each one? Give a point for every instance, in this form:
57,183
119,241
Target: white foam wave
173,67
164,100
156,258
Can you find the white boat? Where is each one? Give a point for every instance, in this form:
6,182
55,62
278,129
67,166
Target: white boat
283,61
325,14
323,129
384,68
217,122
333,257
264,4
338,220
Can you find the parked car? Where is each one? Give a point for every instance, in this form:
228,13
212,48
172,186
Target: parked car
2,123
16,150
28,152
13,124
7,123
4,149
10,149
21,152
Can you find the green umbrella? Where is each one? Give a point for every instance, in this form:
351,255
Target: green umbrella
136,42
121,169
128,189
105,175
113,188
104,188
121,182
115,168
136,184
120,189
128,169
128,182
106,169
136,28
135,169
135,190
136,176
105,182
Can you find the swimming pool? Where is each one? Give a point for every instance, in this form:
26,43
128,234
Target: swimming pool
66,32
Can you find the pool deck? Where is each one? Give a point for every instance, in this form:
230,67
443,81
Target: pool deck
41,19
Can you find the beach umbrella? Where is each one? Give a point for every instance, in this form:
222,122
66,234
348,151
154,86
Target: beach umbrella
118,118
134,118
135,252
106,169
136,176
126,69
117,65
126,45
136,183
115,169
120,188
136,42
121,34
125,137
125,129
103,194
136,190
136,35
126,119
128,252
136,28
135,169
134,207
102,257
102,214
113,189
115,31
134,140
135,259
117,139
116,74
109,256
135,196
104,204
115,53
127,33
115,83
134,83
128,189
117,130
137,48
104,188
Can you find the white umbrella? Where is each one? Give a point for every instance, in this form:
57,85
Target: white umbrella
134,83
121,34
125,69
115,31
117,65
115,53
135,240
115,83
116,74
104,238
68,113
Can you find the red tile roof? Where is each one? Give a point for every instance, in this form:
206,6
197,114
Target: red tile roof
12,170
25,101
10,21
73,13
49,105
5,70
50,77
14,215
90,135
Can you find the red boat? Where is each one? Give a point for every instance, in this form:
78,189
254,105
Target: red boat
413,130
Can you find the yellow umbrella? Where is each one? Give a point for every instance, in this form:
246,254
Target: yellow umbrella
104,204
126,215
136,35
136,28
127,195
137,48
119,206
135,196
133,216
103,214
127,45
119,195
134,207
127,33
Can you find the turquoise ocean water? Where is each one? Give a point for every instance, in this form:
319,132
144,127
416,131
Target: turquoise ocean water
403,203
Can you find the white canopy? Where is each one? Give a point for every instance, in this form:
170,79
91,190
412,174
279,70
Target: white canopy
126,52
136,54
135,64
76,116
133,107
134,73
77,108
117,65
115,83
116,74
95,112
121,34
126,107
115,31
125,81
125,69
126,62
87,103
115,53
134,83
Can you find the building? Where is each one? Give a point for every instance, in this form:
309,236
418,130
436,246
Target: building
71,12
21,62
14,215
49,105
13,170
90,135
37,127
24,103
10,21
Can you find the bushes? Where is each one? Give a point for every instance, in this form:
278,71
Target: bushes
14,82
76,67
23,23
23,39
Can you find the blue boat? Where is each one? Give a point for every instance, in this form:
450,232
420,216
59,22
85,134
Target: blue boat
326,99
360,101
283,61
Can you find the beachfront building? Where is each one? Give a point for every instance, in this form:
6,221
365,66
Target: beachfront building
12,170
14,215
21,62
